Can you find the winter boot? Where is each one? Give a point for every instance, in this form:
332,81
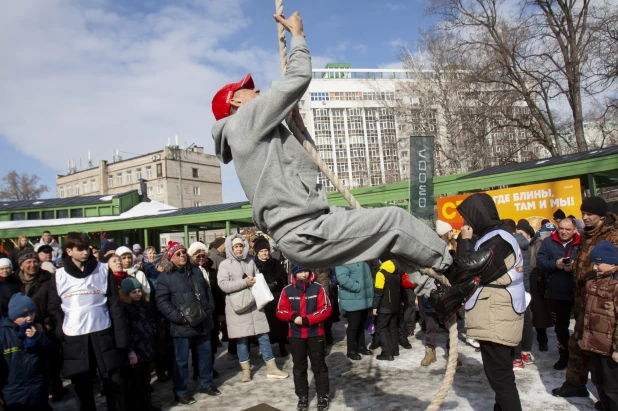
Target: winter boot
375,343
569,391
246,371
303,404
562,363
323,402
273,372
430,357
446,301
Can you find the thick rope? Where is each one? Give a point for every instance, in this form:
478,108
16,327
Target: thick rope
310,149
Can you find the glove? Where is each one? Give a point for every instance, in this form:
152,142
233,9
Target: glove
446,301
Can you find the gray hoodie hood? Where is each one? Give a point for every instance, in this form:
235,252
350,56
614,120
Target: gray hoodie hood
276,173
229,252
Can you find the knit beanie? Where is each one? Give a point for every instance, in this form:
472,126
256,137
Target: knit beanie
124,250
20,306
296,269
218,242
443,227
5,262
260,244
27,254
604,253
594,205
172,247
137,247
195,247
559,215
129,284
524,225
237,240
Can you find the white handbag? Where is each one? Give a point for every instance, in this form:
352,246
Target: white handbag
261,292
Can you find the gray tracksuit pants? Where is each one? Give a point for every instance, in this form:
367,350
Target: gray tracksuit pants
346,236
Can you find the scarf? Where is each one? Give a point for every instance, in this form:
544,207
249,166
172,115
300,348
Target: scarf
26,282
28,342
118,277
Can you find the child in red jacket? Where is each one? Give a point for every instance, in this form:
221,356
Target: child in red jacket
304,305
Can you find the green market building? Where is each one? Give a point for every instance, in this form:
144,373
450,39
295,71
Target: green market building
129,217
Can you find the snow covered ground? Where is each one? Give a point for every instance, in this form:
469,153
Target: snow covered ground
375,385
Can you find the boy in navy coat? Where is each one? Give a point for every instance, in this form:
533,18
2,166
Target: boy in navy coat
23,374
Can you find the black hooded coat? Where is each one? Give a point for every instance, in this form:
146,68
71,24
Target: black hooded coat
480,213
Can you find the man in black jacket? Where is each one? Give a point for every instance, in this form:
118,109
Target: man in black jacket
87,316
386,306
555,261
177,286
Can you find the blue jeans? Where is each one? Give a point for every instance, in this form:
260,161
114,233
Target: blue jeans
243,348
180,374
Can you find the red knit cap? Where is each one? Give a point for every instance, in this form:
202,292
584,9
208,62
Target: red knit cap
172,247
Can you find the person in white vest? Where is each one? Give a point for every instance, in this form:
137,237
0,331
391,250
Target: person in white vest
87,317
495,312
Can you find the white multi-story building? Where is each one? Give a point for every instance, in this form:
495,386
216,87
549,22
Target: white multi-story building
353,126
351,114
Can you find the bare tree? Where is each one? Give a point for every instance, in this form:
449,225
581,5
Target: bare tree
476,125
21,187
537,50
604,61
565,24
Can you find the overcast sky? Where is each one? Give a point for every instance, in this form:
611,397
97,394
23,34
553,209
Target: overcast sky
79,76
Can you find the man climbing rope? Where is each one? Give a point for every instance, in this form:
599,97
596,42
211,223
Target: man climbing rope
279,179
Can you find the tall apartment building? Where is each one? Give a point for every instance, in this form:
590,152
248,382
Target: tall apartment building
354,131
352,115
175,176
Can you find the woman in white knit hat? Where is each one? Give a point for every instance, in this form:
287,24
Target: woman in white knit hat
131,267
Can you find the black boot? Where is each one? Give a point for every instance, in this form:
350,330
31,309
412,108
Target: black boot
567,391
323,402
303,404
467,266
562,363
375,343
446,301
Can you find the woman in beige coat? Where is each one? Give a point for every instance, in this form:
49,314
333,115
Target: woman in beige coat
235,274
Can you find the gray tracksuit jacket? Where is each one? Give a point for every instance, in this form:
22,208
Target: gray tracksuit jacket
282,185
